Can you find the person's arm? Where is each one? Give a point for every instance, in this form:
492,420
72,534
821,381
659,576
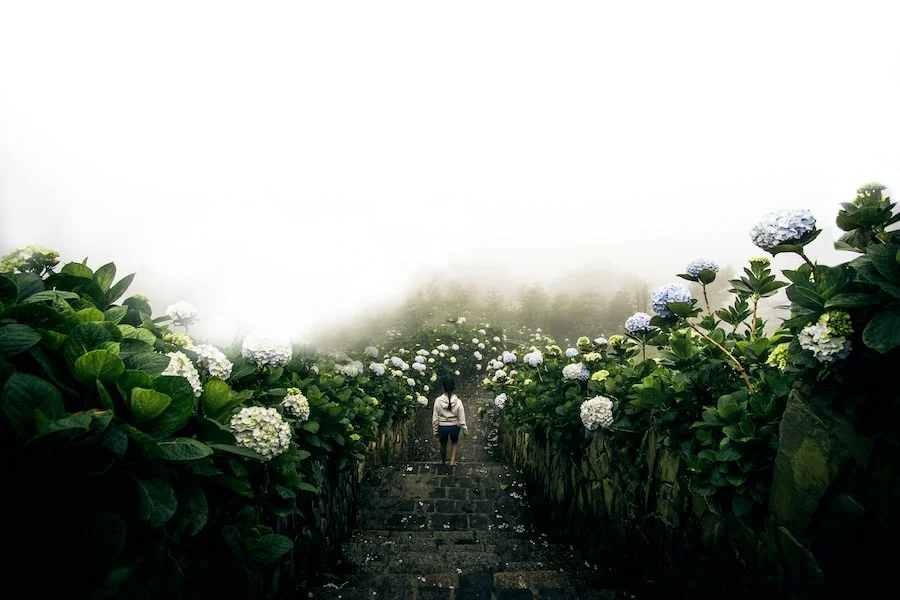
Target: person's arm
434,418
462,417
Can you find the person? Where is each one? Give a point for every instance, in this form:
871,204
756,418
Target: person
448,419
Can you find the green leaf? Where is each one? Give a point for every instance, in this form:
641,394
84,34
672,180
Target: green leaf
727,409
184,449
9,289
146,445
158,501
28,400
851,300
303,454
116,314
77,270
16,338
706,276
138,333
83,338
105,275
269,548
883,331
238,450
311,426
90,315
148,404
98,364
28,285
217,399
132,379
178,413
50,295
151,363
117,290
307,487
194,509
728,454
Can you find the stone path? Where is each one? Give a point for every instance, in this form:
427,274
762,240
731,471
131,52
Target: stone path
428,532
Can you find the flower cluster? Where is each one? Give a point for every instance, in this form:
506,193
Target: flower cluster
371,351
215,361
460,320
782,227
500,401
824,346
28,259
534,358
422,400
597,412
838,322
601,341
418,366
377,369
639,322
571,352
701,264
600,375
296,404
182,340
576,371
263,351
778,356
508,357
671,292
182,312
592,357
180,366
262,430
350,370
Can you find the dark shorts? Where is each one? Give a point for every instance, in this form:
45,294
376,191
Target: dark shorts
448,430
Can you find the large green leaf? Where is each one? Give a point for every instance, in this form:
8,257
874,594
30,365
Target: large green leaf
116,291
90,315
193,509
29,401
238,450
151,363
132,379
849,300
77,270
148,404
28,284
883,331
269,548
16,338
116,314
105,275
98,364
44,296
178,413
158,501
217,399
137,333
9,289
83,338
184,449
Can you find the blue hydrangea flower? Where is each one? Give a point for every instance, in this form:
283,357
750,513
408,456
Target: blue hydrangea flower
782,227
639,322
376,368
671,292
700,264
576,371
571,352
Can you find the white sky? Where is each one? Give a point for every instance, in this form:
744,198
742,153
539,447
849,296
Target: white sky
281,165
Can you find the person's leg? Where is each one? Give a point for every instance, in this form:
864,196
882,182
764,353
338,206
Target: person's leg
454,442
443,434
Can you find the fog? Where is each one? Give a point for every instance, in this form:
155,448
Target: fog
288,167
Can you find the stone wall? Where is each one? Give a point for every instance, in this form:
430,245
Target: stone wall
330,514
834,497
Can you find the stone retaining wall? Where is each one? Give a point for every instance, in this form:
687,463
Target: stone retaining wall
834,498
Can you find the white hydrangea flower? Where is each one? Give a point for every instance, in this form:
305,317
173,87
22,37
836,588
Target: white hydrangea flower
422,400
418,367
349,370
430,361
825,346
477,355
534,358
443,347
261,429
377,369
397,362
509,357
456,373
481,346
460,320
571,352
499,374
482,332
420,359
410,382
453,359
371,351
597,412
433,377
601,341
475,340
181,366
425,388
496,338
422,352
296,404
454,347
435,352
182,312
397,373
576,371
265,351
500,401
478,367
215,361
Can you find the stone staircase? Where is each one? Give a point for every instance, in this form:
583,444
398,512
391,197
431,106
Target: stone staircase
427,531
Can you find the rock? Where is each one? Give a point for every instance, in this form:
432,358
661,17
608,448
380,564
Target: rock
809,458
806,576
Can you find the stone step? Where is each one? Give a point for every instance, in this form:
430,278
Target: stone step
428,586
525,585
458,561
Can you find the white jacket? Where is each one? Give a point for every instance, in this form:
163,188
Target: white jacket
455,415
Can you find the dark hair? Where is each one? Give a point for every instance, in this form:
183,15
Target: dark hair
449,385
